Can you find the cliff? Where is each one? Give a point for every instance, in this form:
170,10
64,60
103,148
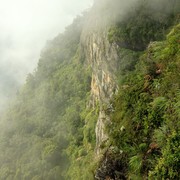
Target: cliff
103,102
112,54
102,57
102,47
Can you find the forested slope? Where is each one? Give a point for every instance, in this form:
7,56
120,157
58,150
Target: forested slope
144,129
49,113
50,130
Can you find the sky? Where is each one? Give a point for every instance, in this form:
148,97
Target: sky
25,26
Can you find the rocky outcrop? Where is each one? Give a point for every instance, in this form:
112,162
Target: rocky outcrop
112,166
103,59
101,136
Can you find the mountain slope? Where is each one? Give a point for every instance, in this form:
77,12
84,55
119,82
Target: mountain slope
144,128
104,100
47,113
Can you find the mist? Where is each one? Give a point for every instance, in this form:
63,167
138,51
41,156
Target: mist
53,129
25,26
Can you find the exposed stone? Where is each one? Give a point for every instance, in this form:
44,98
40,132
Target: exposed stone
101,136
102,57
112,167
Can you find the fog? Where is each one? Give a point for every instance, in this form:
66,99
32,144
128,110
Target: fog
48,133
25,26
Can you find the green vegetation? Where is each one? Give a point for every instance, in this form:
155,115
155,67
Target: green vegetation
48,132
145,23
147,106
48,128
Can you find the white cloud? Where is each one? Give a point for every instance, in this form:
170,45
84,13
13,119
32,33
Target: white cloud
25,26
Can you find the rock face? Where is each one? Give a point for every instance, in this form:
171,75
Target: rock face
112,167
102,57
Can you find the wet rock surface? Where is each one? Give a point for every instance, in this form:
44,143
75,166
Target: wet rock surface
112,167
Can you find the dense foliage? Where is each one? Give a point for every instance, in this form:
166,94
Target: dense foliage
145,123
147,21
48,131
48,127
